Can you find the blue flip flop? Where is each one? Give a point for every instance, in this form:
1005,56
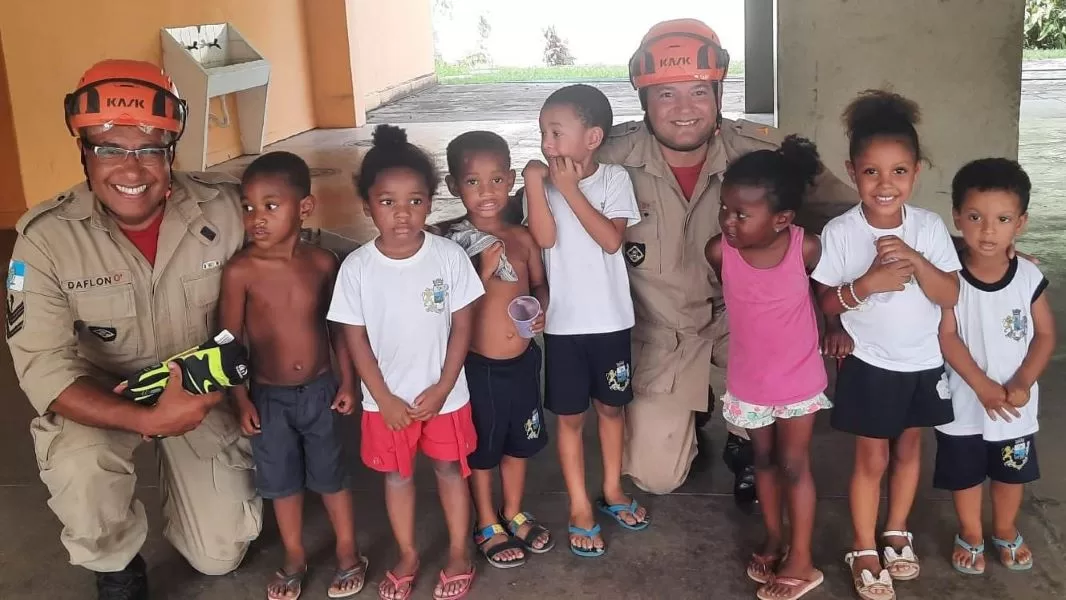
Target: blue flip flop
614,510
974,551
589,533
1013,565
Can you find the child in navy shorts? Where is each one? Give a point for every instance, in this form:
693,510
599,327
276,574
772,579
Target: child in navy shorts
578,212
997,341
503,367
291,410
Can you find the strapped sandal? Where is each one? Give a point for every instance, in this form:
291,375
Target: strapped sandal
768,564
902,565
975,553
797,587
535,531
482,538
615,512
866,585
1013,563
343,576
397,583
467,580
291,582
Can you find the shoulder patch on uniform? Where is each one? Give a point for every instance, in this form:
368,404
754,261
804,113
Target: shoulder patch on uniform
627,128
42,208
16,276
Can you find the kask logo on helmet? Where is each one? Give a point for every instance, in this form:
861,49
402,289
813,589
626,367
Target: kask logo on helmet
125,103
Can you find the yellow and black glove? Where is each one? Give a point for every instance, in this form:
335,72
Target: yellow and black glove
219,363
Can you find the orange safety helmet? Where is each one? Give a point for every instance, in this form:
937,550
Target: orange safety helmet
679,50
125,92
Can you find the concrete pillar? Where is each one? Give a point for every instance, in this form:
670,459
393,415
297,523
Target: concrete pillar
960,60
759,72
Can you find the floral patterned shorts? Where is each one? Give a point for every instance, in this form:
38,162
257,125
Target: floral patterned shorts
753,416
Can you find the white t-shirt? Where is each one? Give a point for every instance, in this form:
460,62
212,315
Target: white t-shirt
897,331
406,306
995,322
589,287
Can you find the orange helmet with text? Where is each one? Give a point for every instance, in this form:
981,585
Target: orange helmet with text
125,92
676,51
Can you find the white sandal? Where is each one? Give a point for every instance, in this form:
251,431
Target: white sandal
902,565
866,585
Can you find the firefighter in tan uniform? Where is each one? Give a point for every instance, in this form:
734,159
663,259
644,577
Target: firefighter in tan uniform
676,158
118,273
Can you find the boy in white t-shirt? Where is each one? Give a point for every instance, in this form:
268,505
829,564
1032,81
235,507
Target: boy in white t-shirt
997,341
578,212
405,300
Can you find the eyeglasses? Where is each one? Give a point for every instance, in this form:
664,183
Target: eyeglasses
152,155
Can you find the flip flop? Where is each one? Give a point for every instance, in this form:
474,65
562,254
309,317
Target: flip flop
975,552
343,576
589,533
482,538
535,531
615,510
397,583
466,578
798,587
770,561
1013,565
292,582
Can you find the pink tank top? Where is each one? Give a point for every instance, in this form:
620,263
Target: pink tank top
774,357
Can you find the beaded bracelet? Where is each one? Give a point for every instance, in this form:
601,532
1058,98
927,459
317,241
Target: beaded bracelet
840,296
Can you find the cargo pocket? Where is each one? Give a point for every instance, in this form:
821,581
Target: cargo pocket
655,361
201,306
45,431
106,323
218,439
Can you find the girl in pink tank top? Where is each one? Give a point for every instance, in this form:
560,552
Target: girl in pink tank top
776,377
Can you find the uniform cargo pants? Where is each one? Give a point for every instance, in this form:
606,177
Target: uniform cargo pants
211,512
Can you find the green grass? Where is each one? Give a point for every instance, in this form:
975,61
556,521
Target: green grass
1038,54
461,74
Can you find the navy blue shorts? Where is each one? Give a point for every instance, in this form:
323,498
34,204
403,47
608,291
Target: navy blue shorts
578,368
505,402
966,461
877,403
298,446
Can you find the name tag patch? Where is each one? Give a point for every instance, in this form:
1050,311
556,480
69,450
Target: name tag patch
212,264
16,275
107,334
97,281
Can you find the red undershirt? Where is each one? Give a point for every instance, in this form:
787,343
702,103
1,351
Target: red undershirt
687,178
147,240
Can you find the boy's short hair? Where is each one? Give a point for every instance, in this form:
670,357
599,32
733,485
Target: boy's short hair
476,141
988,174
590,104
286,164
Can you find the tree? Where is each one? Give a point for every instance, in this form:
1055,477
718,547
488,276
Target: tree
1045,24
556,49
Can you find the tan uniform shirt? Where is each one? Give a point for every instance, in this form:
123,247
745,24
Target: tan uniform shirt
83,301
676,296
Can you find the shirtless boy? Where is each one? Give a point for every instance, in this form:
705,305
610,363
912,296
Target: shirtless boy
502,368
275,294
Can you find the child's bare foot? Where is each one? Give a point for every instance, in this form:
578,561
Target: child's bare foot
969,555
349,578
498,548
456,578
623,509
870,580
762,565
791,580
398,580
287,582
584,521
525,528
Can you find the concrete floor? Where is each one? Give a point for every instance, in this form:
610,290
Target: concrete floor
698,543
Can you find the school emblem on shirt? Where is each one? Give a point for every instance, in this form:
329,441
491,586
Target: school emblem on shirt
1016,326
635,253
532,426
618,377
433,298
1016,454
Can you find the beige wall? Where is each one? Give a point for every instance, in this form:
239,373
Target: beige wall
392,46
960,60
12,202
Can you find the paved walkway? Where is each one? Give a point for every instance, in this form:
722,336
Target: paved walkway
698,543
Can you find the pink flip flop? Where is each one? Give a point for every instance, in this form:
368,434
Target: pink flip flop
799,587
397,583
466,578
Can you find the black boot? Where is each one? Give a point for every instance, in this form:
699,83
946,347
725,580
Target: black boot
130,583
740,458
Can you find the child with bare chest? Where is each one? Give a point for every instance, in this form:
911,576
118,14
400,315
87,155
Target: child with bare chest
502,367
275,295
